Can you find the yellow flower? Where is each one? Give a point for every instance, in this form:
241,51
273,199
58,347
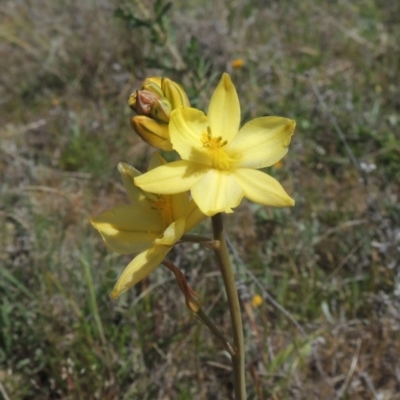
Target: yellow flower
256,301
219,162
278,164
151,225
237,63
153,104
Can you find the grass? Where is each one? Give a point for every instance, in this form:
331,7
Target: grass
330,263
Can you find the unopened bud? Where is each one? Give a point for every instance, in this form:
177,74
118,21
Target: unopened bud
160,110
152,132
155,100
174,93
142,101
153,85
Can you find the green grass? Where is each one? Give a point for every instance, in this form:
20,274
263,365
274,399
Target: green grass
331,261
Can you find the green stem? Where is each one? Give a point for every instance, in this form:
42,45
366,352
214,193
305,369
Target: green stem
188,237
234,308
204,240
201,315
180,65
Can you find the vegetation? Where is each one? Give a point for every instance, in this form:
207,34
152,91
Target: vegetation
328,269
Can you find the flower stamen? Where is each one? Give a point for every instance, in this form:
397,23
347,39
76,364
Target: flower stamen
214,146
163,205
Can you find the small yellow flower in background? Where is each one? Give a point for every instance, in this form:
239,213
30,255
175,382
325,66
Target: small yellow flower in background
278,164
256,301
237,63
153,104
219,162
151,225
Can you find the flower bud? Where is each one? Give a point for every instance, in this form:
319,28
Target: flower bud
141,101
153,85
174,93
155,100
161,110
152,132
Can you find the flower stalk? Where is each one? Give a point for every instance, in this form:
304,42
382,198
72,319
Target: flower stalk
234,308
193,303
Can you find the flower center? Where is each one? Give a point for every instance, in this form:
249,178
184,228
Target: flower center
163,205
215,149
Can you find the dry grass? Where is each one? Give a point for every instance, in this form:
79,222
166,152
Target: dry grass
331,263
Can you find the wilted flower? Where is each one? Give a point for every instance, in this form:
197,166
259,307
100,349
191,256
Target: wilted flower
151,225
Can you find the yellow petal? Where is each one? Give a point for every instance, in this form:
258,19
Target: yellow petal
155,161
179,204
128,229
175,177
217,192
262,142
186,128
224,110
128,173
140,267
172,234
193,216
262,188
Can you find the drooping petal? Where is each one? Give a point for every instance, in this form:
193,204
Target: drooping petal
262,188
128,229
172,234
217,192
179,204
155,161
186,127
262,142
175,177
224,110
128,173
193,216
140,267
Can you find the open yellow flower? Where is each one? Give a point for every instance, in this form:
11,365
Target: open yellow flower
219,162
151,225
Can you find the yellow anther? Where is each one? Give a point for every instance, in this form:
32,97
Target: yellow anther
214,146
163,205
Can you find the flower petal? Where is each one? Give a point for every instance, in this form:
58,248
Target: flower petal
172,234
262,188
262,142
140,267
217,192
128,229
175,177
224,110
179,204
193,216
128,173
186,126
155,161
